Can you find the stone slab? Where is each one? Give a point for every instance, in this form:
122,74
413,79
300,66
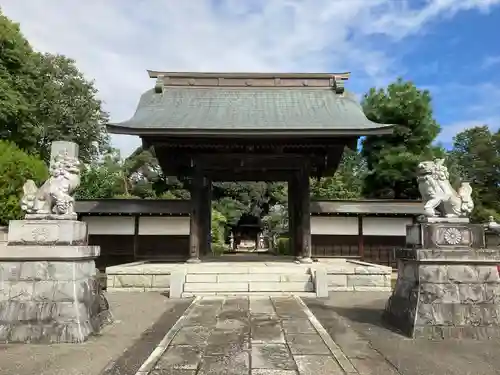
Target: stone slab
39,252
235,364
133,281
161,281
247,277
310,344
297,286
321,283
272,356
201,278
294,326
216,287
317,365
177,280
47,232
183,357
266,329
41,270
261,306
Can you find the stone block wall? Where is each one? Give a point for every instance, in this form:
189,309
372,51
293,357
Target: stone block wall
48,301
138,282
359,277
448,300
49,290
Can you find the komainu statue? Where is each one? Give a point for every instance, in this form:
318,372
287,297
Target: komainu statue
54,197
440,199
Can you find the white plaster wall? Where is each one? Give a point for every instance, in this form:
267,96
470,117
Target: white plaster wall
123,225
163,225
385,226
334,225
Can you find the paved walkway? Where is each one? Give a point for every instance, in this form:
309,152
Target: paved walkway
254,336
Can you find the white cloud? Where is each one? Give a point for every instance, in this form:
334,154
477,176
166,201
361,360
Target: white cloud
451,130
490,61
483,110
115,41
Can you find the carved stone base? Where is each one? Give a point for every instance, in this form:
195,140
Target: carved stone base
47,232
446,292
49,293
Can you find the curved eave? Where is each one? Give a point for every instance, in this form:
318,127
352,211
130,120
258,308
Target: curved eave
125,128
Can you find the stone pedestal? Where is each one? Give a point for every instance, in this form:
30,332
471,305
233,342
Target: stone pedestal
448,284
49,292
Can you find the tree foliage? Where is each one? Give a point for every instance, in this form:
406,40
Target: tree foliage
44,98
476,153
392,159
16,167
346,183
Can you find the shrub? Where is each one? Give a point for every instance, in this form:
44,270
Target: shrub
283,246
16,167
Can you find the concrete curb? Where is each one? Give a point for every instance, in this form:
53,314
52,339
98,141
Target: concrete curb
337,353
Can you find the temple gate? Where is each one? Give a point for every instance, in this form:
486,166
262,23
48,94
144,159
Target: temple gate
249,127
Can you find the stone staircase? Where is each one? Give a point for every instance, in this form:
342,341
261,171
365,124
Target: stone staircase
257,281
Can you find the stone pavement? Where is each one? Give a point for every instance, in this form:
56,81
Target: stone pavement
234,335
141,320
354,321
257,336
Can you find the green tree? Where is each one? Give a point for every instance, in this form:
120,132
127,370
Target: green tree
218,227
391,160
16,167
476,154
18,72
346,183
103,179
66,107
44,98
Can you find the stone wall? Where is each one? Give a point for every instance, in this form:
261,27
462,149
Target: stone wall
447,292
49,292
356,276
44,301
134,280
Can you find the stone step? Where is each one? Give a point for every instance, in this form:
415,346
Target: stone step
236,269
252,286
245,277
249,294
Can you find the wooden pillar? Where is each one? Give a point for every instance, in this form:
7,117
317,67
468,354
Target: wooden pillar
206,216
291,216
136,236
305,215
195,216
361,239
294,216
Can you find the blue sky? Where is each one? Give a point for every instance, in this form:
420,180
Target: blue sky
447,46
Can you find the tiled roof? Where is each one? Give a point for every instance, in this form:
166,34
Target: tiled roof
319,107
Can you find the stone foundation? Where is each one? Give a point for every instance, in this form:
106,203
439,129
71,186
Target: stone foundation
49,293
341,275
448,290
